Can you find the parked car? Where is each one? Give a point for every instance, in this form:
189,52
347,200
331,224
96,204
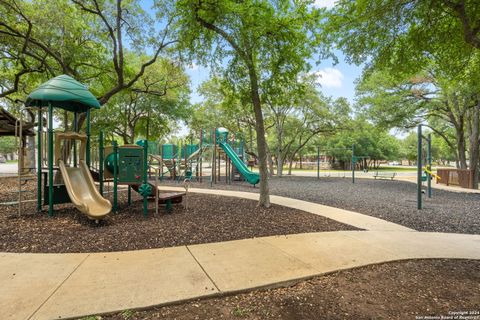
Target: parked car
394,163
3,159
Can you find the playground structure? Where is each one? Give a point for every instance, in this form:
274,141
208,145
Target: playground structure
143,165
72,163
203,160
67,173
12,126
64,171
424,172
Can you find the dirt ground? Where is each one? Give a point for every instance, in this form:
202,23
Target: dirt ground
412,289
208,219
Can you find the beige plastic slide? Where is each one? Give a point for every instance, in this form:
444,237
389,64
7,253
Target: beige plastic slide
82,191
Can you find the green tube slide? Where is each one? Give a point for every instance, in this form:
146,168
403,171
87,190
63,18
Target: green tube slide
251,177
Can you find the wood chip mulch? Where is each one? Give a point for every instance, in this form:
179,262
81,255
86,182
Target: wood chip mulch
394,201
208,218
416,289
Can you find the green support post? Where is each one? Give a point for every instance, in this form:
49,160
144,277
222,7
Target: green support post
39,161
75,128
115,175
162,162
145,181
129,195
318,162
429,161
200,159
50,160
101,151
419,167
87,156
353,163
214,159
168,206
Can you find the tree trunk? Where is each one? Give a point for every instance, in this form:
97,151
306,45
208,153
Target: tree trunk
280,157
280,161
264,200
290,164
459,125
251,136
474,141
461,145
461,149
271,169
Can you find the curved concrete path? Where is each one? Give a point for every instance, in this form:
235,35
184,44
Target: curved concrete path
48,286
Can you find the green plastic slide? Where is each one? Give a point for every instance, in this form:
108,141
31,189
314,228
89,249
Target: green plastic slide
251,177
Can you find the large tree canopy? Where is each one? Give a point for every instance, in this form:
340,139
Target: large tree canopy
406,35
254,42
95,41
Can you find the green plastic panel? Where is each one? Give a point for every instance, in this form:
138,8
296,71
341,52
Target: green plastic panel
152,146
222,135
190,148
130,165
63,92
169,151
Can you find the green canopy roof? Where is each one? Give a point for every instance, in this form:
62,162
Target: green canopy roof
63,92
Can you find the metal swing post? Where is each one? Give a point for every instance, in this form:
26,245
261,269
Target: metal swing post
353,163
419,167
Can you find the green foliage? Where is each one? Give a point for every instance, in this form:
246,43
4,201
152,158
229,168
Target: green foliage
408,149
404,35
260,47
150,108
392,101
7,145
91,318
127,314
370,141
222,106
96,42
301,115
441,151
275,37
241,312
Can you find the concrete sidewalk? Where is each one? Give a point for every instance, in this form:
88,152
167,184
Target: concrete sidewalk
48,286
8,169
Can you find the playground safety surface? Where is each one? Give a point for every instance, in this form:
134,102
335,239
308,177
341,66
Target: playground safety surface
394,201
394,290
209,218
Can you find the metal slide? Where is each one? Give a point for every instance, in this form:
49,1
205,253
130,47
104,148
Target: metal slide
82,191
251,177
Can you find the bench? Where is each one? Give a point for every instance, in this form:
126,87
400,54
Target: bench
169,198
384,175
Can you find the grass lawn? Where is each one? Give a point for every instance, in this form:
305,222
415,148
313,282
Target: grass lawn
386,168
